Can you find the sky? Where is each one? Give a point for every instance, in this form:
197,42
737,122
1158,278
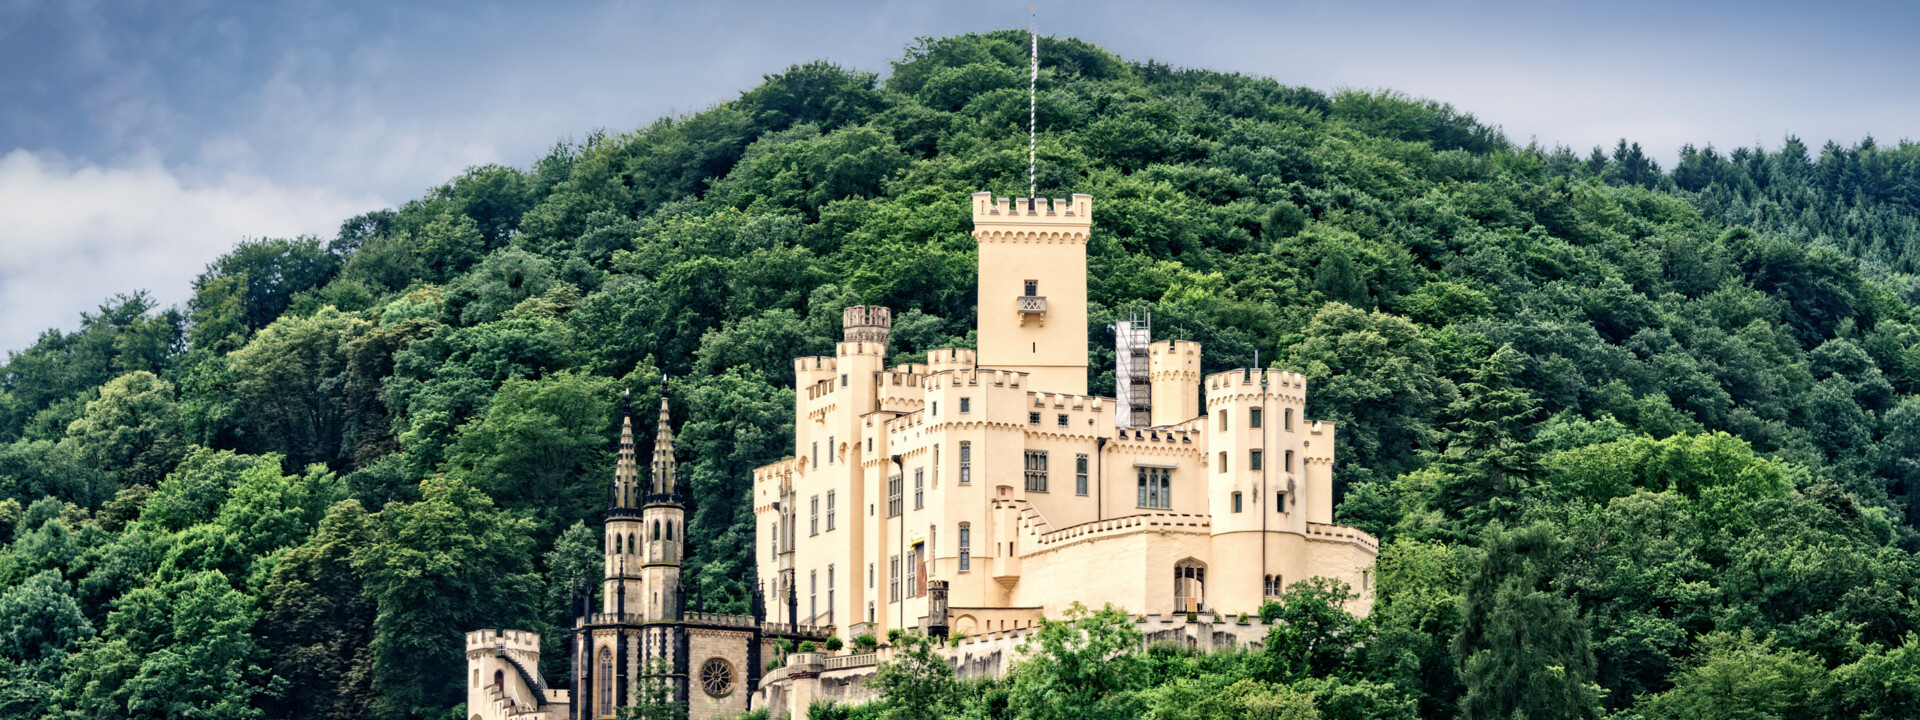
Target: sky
139,140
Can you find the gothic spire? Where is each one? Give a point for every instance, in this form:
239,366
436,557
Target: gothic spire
663,465
626,475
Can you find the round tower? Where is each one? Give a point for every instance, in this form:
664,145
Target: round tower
867,324
1173,370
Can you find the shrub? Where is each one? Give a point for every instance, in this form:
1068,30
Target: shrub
834,644
865,642
807,646
1269,612
893,636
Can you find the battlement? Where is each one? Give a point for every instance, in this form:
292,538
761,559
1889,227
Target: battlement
851,348
814,363
1064,401
946,359
867,323
1175,356
1077,210
520,640
1243,379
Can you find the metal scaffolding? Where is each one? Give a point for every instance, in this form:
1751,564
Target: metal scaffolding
1131,387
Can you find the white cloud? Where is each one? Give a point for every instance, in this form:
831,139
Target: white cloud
76,233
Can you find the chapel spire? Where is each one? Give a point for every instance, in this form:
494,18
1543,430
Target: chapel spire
626,475
663,465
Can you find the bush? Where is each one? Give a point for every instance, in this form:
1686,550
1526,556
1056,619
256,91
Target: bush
1269,612
1242,620
865,642
807,646
834,644
893,636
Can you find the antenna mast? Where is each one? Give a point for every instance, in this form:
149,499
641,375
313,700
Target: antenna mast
1033,82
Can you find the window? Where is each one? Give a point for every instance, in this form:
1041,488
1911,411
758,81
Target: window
1280,501
1366,579
1286,418
813,595
913,571
966,405
1060,419
829,509
893,578
1254,417
1080,474
829,591
966,463
919,488
966,547
1033,288
1033,418
843,379
1223,420
869,444
773,530
830,455
1236,502
869,576
936,408
870,617
814,518
1223,462
936,466
1273,586
1289,460
1036,471
893,496
816,454
1253,459
606,681
1155,487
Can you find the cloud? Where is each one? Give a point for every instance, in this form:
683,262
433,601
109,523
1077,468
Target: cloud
76,233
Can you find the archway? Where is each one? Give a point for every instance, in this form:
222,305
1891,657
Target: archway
1189,586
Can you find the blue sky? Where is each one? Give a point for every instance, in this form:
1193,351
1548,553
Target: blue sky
139,140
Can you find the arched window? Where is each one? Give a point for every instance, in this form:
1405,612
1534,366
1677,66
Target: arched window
632,547
656,529
669,529
966,547
1223,460
617,548
500,679
1189,586
605,681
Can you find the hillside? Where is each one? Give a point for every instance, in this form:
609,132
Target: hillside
1630,437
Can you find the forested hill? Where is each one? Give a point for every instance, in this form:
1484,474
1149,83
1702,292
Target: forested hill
1635,440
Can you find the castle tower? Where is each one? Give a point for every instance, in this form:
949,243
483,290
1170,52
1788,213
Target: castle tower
1174,371
1033,287
663,520
621,592
867,324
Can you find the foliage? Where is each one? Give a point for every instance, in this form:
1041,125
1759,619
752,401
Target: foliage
1637,441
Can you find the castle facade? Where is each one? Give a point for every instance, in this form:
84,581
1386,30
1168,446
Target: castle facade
965,496
980,490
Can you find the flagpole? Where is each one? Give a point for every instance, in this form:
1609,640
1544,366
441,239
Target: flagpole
1033,82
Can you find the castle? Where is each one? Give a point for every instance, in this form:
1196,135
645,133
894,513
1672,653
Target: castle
967,497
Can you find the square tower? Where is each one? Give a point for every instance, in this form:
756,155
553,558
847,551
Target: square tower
1033,288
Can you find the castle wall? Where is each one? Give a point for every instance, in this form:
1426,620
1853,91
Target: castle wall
704,646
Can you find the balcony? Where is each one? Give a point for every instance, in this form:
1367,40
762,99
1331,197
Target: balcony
1033,305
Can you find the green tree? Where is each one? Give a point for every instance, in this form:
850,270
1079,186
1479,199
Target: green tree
543,447
133,427
1523,648
917,682
322,620
1316,635
1737,676
286,384
436,569
1085,665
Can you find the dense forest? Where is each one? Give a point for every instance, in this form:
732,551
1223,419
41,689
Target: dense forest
1638,442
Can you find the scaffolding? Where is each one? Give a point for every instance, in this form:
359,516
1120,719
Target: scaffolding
1131,386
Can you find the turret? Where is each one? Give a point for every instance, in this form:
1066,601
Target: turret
663,524
867,324
623,527
1174,371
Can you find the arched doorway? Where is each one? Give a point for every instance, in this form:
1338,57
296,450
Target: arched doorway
1189,586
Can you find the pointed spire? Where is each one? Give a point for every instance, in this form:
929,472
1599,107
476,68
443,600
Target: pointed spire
626,475
663,465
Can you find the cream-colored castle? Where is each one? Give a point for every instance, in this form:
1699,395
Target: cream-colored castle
969,495
992,477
